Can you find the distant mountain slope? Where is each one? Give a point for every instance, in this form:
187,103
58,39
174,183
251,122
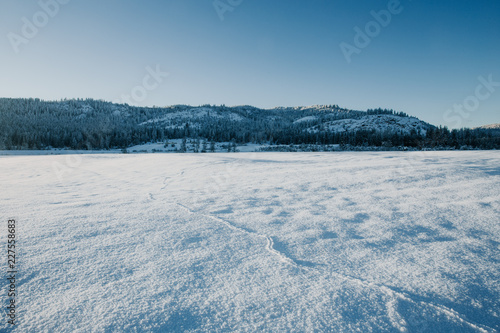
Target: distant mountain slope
195,114
379,123
492,126
96,124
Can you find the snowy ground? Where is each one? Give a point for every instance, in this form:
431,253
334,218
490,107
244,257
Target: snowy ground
267,242
170,146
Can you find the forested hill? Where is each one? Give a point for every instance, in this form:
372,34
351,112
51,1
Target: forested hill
95,124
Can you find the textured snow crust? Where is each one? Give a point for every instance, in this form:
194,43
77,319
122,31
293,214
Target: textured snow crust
266,242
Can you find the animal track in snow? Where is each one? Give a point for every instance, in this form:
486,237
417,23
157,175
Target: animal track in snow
269,241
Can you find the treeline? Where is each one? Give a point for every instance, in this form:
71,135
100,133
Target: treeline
386,111
435,137
94,124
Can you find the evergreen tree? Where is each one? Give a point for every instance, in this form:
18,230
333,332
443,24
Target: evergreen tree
183,145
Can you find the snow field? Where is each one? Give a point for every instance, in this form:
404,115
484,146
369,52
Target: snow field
267,242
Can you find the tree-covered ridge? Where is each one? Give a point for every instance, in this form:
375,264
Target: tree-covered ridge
95,124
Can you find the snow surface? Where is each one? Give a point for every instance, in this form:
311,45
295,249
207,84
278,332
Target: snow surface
305,119
169,146
262,242
174,145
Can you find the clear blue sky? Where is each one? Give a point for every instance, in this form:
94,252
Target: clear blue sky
264,53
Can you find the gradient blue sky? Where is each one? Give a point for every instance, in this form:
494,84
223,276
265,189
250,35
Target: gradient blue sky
264,53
